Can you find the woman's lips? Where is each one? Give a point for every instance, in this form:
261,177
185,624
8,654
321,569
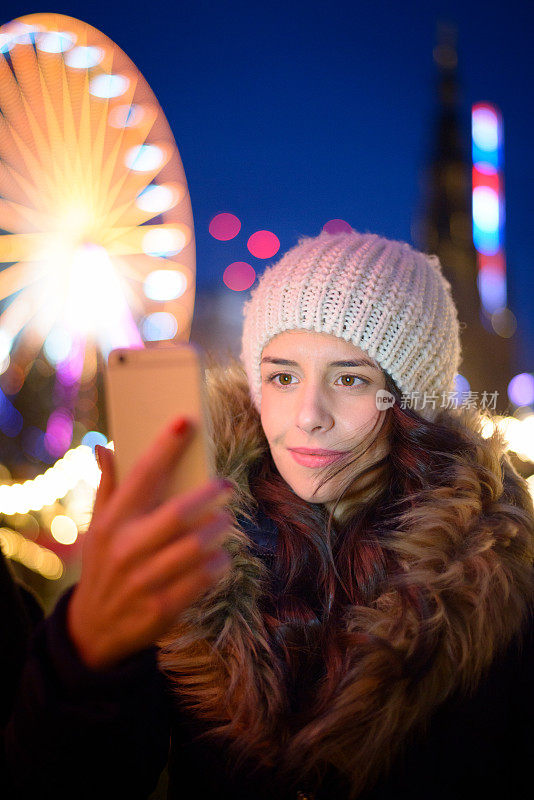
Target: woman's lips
314,461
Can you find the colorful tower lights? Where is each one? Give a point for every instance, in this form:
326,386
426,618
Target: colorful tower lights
488,206
488,233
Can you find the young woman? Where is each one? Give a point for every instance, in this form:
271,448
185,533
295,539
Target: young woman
353,625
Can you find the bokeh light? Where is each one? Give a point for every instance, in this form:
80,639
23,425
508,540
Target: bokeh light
92,438
13,379
127,116
461,385
263,244
239,276
521,389
224,226
84,57
486,208
14,545
10,417
107,86
485,131
58,435
64,529
157,198
164,242
159,326
21,33
57,345
55,42
504,322
165,284
144,158
33,444
337,226
6,343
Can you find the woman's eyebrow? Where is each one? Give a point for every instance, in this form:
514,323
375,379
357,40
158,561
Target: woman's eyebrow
360,362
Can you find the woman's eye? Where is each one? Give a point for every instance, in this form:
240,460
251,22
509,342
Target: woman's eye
284,375
280,375
353,378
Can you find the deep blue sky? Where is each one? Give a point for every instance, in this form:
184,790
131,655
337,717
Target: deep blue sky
289,114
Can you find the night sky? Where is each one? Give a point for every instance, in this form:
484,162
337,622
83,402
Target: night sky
289,114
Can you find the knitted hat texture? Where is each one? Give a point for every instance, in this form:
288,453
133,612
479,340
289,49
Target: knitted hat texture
383,296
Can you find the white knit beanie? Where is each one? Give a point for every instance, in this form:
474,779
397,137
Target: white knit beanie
386,298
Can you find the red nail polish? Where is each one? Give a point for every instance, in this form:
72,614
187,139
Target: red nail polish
180,427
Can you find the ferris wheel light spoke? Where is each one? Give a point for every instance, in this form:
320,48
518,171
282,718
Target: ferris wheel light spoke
73,154
17,218
123,193
9,93
128,215
21,187
18,276
105,176
126,116
11,182
56,150
128,183
23,310
28,68
84,133
30,165
21,246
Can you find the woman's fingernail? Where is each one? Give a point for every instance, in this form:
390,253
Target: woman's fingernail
181,426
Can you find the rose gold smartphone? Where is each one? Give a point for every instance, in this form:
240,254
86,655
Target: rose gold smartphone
145,389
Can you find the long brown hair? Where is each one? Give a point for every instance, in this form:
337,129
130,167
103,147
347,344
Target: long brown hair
323,564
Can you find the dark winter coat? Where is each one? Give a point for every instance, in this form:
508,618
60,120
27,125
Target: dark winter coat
464,730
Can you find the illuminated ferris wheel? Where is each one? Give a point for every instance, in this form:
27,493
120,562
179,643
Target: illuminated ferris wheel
97,245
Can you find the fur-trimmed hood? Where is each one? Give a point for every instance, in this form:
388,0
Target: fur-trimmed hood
478,573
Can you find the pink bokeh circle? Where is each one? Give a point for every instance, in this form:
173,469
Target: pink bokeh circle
224,226
263,244
337,226
239,276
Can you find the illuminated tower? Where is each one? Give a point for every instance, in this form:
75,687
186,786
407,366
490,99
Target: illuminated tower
445,227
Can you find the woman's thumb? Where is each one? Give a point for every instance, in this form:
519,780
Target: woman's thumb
104,459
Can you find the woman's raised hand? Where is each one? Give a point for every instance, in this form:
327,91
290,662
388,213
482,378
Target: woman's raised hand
143,563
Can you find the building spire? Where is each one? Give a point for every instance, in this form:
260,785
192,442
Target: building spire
444,226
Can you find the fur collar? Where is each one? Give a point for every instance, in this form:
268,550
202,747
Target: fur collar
478,571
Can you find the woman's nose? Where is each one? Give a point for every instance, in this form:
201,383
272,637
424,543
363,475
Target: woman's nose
313,411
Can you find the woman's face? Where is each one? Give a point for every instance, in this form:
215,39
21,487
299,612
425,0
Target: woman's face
312,403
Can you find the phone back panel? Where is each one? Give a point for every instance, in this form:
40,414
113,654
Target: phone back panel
146,389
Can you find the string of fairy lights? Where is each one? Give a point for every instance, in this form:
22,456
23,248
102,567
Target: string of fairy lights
63,496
